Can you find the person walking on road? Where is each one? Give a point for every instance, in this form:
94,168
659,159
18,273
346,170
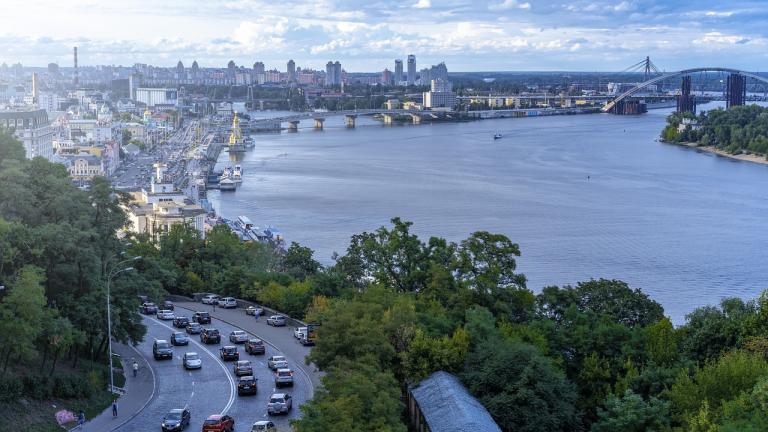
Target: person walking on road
80,419
135,368
114,409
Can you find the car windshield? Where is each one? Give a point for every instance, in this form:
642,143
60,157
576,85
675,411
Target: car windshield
192,356
213,332
278,358
212,422
284,373
256,342
195,325
174,415
238,332
179,335
276,400
163,344
230,349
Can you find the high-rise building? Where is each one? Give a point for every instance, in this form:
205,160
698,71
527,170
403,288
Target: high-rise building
231,72
398,71
75,77
53,68
180,74
194,72
259,77
439,71
386,77
331,79
440,95
337,73
411,69
291,71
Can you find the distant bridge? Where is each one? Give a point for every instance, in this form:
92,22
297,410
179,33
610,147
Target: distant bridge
350,115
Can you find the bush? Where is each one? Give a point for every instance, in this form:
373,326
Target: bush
10,389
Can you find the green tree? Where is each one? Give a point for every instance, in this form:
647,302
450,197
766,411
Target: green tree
21,316
631,413
299,263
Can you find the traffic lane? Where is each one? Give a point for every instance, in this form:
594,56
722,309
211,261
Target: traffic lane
248,409
205,391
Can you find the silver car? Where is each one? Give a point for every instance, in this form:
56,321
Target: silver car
165,314
277,362
283,377
279,403
192,360
276,321
238,336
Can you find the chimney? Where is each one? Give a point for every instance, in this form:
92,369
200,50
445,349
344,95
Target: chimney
75,77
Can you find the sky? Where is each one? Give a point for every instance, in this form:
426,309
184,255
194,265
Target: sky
366,36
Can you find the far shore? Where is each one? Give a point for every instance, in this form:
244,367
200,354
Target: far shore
759,159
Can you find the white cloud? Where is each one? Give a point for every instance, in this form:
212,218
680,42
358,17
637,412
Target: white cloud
510,4
423,4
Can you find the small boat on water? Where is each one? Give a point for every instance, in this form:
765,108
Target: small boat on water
226,174
227,184
237,174
497,136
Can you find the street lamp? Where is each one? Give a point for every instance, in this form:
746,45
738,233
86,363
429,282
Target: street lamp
111,275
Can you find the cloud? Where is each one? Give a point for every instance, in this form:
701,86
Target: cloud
423,4
510,4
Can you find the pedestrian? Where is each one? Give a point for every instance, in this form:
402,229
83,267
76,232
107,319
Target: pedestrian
214,305
114,409
135,368
80,419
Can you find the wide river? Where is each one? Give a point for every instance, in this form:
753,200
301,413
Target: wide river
587,196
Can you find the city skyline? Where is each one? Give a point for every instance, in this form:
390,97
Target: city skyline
501,35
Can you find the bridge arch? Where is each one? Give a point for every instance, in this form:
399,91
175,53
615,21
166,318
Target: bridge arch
662,77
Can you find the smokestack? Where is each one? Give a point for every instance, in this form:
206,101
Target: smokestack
76,78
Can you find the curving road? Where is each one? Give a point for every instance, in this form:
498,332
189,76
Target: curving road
212,389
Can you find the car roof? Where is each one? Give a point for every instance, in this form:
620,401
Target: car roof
261,423
214,417
238,331
247,378
161,340
278,395
228,347
283,370
191,352
176,410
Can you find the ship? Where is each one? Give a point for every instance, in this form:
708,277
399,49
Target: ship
237,174
227,184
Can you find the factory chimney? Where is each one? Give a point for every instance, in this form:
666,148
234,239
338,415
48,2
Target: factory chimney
75,77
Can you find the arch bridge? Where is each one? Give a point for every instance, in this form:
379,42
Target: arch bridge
611,105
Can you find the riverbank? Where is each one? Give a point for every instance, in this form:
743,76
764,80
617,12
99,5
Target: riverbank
758,159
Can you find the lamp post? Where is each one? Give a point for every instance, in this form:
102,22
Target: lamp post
111,275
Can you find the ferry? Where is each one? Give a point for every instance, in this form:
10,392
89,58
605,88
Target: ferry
497,136
237,174
227,184
226,174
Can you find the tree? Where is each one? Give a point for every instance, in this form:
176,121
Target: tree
631,413
662,343
299,263
21,315
10,147
426,354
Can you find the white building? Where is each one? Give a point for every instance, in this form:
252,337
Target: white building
33,129
49,101
157,96
441,95
85,166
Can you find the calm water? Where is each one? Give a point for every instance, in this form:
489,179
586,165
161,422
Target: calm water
686,227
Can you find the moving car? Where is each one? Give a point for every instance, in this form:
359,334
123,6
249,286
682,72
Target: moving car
194,328
210,336
279,403
162,349
148,308
229,352
254,310
179,338
243,367
175,420
219,423
276,321
228,303
180,321
201,317
263,426
276,362
246,385
192,360
168,305
165,315
255,346
238,336
210,299
283,377
300,332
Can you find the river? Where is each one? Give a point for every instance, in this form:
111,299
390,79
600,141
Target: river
587,196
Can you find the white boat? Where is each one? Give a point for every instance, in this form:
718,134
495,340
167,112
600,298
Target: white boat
237,174
226,174
497,136
227,184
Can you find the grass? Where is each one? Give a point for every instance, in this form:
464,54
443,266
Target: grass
39,416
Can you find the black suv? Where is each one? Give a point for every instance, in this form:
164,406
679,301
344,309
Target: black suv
210,336
148,308
255,346
202,317
180,321
167,305
162,349
246,385
229,352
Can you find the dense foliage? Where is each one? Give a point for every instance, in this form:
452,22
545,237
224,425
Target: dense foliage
741,129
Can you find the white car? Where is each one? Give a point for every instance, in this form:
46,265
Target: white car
300,332
277,362
283,377
210,299
279,403
263,426
165,314
276,321
228,302
254,310
238,336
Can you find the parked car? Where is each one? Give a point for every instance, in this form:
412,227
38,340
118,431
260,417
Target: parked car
148,308
279,403
229,352
179,338
246,385
238,336
228,302
255,346
162,349
243,367
254,310
210,336
194,328
176,420
299,332
283,377
210,299
276,362
180,322
192,360
276,321
219,423
263,426
165,315
168,305
201,317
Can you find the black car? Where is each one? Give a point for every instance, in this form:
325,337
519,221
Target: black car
229,352
148,308
168,305
194,328
255,346
162,349
176,420
210,336
179,338
180,321
246,385
201,317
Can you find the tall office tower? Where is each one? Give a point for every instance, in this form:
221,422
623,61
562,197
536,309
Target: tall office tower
337,73
398,71
411,69
180,74
75,77
291,71
329,72
194,72
231,72
439,71
258,67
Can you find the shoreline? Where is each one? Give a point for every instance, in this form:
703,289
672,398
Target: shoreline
711,149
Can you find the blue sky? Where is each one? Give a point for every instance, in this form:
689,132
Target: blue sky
580,35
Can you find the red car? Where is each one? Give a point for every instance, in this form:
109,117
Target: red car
219,423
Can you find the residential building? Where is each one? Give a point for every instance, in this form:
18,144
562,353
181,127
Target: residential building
195,72
157,96
333,75
230,72
291,71
441,95
33,129
181,75
398,71
386,77
411,69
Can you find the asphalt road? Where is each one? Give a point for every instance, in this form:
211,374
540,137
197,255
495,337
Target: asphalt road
212,389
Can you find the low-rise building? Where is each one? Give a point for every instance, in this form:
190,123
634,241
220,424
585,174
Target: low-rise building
84,166
33,129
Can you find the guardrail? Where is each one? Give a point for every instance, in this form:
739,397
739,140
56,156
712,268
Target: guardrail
241,304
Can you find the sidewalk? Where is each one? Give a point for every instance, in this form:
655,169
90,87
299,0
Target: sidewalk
279,337
138,392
